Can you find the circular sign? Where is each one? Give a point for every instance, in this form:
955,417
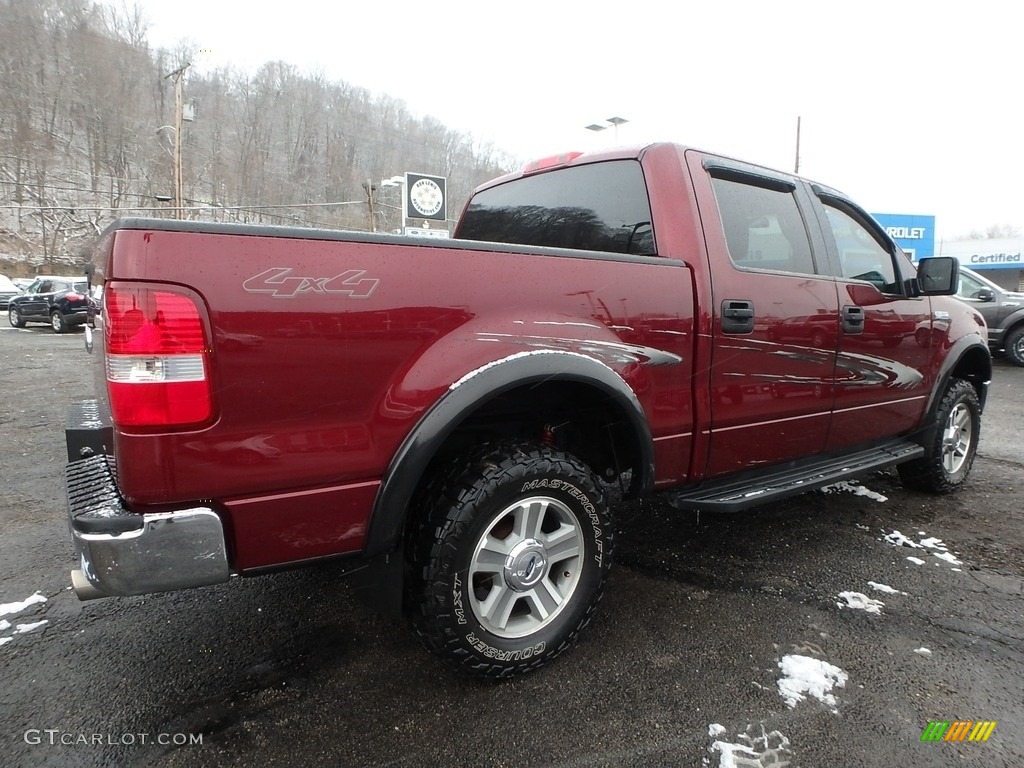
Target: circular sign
426,197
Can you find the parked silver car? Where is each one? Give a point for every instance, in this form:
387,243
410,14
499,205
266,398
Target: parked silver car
8,290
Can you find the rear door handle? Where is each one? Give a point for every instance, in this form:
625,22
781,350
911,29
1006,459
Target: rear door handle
737,316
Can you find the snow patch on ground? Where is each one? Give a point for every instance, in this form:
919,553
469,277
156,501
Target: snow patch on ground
860,601
847,486
754,751
884,588
9,608
936,547
23,628
804,676
897,539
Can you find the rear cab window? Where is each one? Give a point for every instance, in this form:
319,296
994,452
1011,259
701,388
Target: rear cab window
597,207
762,223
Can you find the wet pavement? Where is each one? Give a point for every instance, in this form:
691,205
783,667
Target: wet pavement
702,618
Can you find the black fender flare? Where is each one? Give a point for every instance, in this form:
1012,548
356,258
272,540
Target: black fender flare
960,349
1009,322
462,399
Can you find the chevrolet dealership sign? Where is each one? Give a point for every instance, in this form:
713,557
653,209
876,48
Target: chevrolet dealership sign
914,234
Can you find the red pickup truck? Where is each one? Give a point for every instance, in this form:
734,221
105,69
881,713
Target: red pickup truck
450,416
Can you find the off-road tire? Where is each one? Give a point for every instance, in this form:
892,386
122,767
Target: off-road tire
541,505
1014,346
950,454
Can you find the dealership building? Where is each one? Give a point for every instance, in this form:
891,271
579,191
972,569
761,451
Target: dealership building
1001,261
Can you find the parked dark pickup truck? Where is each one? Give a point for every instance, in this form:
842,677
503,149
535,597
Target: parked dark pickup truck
1003,311
451,415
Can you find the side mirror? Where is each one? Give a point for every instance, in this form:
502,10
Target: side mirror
985,294
938,276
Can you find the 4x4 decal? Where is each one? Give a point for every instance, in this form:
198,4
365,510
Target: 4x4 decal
278,282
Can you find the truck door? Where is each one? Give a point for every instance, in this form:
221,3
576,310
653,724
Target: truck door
775,317
882,376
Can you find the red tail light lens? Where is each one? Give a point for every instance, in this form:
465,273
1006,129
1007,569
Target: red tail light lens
157,357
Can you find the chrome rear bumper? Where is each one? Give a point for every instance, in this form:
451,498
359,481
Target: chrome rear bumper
123,553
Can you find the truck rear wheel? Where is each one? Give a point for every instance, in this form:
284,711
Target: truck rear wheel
510,561
950,455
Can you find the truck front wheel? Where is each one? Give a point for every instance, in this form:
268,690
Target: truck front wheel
1014,346
950,454
510,561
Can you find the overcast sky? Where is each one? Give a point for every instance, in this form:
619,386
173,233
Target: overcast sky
909,107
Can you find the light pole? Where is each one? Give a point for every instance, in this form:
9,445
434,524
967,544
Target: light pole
614,122
396,181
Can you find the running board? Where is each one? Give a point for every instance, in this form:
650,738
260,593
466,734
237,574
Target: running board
749,489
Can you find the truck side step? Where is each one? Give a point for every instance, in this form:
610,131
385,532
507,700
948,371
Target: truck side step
750,489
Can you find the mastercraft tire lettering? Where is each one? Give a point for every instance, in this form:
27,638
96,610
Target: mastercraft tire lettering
510,560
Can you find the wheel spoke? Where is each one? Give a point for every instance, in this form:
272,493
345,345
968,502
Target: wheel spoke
959,418
490,558
544,599
497,606
561,544
529,519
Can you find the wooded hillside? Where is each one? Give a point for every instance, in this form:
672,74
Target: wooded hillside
86,136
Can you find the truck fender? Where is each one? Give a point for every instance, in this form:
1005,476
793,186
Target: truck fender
463,398
1008,324
969,359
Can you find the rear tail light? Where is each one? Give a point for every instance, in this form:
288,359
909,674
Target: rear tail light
72,296
157,357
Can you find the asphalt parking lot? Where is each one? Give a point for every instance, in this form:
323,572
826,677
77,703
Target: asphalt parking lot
828,630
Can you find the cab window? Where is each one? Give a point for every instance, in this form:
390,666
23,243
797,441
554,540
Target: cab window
762,223
861,255
970,288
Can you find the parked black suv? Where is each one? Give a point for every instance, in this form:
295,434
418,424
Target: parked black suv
1003,311
60,301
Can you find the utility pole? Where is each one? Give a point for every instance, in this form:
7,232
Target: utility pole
179,187
370,188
